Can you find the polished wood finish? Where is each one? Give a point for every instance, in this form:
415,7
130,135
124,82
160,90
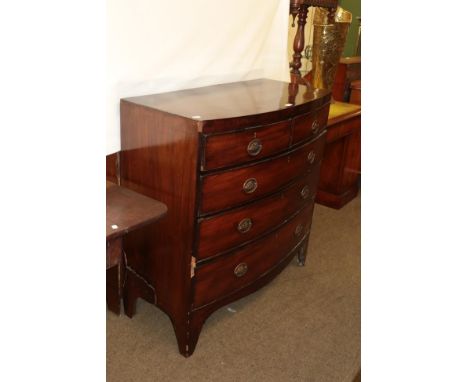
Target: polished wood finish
341,163
125,211
264,215
244,104
340,85
299,40
199,315
113,252
315,3
226,189
115,274
319,3
190,149
295,5
112,167
159,158
309,125
229,149
349,70
299,9
355,97
218,279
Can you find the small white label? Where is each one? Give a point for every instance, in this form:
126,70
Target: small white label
114,226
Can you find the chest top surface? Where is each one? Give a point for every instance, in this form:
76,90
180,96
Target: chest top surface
229,100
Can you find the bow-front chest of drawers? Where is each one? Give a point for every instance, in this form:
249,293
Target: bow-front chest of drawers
237,166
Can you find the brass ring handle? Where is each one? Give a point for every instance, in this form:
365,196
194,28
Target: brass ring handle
305,192
241,269
311,157
244,225
315,126
298,230
254,147
250,185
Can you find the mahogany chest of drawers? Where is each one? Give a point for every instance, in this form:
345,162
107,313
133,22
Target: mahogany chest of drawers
237,166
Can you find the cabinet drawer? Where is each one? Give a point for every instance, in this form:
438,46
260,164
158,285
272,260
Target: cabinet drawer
230,149
232,272
222,232
230,188
309,125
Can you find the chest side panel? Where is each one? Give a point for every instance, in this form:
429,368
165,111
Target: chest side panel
159,159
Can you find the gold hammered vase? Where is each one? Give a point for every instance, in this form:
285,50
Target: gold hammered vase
328,43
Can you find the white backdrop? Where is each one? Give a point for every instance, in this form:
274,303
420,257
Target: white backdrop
155,46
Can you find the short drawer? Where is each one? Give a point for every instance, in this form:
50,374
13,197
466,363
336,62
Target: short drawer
309,125
227,230
233,187
232,272
224,150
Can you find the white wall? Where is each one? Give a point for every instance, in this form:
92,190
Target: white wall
156,46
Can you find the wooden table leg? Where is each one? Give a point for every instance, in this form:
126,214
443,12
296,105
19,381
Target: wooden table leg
114,275
299,43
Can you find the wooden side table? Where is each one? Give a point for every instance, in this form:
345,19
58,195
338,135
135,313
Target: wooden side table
126,211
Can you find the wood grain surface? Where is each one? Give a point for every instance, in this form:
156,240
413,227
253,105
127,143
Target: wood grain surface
190,150
127,210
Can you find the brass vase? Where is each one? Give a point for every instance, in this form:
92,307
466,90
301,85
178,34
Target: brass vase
328,43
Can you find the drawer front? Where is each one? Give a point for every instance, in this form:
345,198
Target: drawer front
222,232
232,272
230,149
231,188
309,125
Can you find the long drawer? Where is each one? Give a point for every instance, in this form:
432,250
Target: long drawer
233,187
232,272
227,230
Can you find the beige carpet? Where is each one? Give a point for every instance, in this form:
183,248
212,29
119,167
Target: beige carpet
303,326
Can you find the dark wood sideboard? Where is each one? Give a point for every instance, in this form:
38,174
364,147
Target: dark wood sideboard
237,166
341,165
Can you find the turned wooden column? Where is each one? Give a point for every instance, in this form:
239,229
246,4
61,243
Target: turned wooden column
299,42
293,89
299,9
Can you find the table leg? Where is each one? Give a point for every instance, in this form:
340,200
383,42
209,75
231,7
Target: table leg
114,275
